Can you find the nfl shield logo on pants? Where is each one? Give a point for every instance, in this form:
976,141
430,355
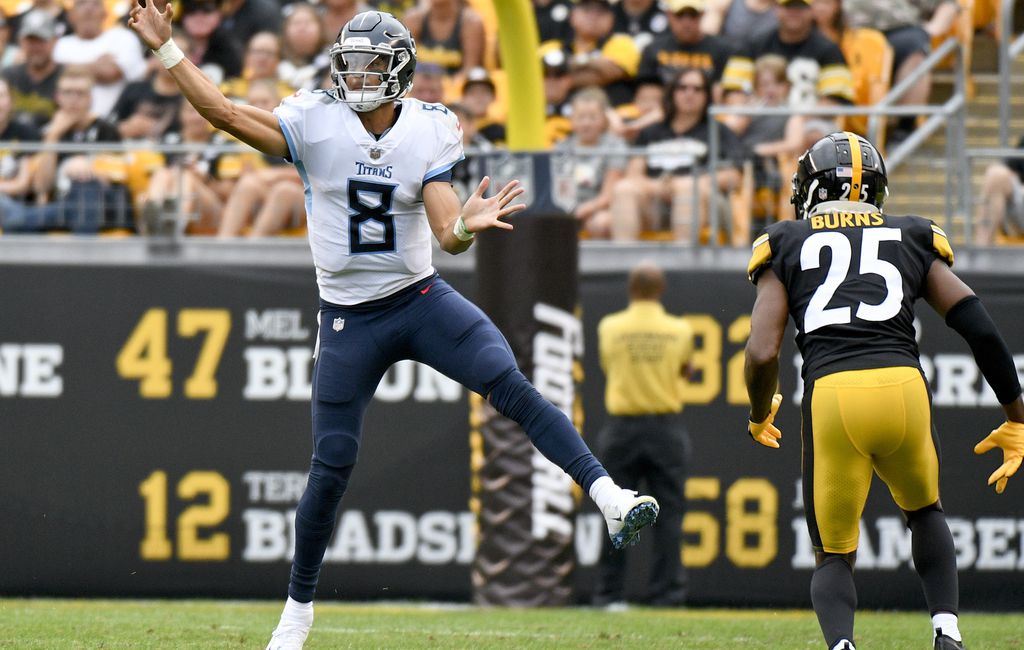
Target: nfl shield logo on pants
339,324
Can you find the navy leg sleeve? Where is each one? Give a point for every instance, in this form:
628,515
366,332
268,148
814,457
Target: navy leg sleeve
349,366
465,345
549,429
314,524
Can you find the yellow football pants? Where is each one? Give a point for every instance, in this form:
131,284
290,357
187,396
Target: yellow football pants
862,421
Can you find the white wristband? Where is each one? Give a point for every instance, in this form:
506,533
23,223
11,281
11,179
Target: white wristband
169,54
460,230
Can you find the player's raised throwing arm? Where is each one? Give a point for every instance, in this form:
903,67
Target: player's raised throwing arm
254,126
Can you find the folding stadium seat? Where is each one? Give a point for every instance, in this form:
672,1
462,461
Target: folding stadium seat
987,15
869,56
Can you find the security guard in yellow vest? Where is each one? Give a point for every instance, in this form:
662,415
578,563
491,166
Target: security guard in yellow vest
645,354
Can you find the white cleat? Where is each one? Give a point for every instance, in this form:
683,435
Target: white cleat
289,635
627,515
293,628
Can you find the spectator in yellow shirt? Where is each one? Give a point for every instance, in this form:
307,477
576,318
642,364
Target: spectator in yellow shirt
645,353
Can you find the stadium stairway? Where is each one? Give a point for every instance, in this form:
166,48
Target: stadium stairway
919,185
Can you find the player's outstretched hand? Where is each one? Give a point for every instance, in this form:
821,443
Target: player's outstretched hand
765,432
480,214
1010,438
152,25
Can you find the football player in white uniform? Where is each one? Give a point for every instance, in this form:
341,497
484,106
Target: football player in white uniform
377,171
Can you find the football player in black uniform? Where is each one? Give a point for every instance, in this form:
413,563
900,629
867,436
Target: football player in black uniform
849,275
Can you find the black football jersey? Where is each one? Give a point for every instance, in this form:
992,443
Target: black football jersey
852,280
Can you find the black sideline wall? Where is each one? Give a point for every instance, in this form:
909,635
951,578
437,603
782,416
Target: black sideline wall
154,434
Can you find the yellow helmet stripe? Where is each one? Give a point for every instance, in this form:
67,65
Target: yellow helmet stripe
858,166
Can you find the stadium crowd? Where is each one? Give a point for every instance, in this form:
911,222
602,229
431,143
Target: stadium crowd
627,86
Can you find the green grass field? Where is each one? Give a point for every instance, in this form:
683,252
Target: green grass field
59,624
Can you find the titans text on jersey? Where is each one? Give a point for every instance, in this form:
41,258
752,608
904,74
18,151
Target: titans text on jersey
368,229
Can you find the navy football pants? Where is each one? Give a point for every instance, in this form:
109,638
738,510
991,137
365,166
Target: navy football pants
431,323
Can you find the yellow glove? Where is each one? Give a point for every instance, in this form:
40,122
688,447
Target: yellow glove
767,433
1010,438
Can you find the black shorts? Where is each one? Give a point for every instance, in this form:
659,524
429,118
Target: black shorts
906,41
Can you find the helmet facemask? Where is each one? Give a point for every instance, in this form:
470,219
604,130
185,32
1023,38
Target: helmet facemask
366,75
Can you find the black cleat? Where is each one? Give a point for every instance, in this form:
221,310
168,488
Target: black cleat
943,642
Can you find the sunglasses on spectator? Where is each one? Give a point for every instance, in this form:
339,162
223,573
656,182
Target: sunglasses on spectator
697,88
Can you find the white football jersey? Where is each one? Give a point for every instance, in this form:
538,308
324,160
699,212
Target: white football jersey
367,226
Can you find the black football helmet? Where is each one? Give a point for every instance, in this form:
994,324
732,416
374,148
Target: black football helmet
372,60
842,166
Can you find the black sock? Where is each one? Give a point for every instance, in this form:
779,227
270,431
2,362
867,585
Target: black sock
835,598
935,560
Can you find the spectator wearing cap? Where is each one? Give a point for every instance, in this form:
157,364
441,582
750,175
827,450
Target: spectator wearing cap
737,20
597,55
910,26
683,46
53,8
552,20
641,19
33,84
113,56
478,97
244,18
212,48
449,33
816,67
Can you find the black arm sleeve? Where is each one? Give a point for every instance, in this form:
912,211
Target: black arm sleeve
970,319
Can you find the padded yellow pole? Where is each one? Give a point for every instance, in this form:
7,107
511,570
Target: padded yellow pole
519,57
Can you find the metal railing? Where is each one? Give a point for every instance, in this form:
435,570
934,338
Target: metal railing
99,209
951,113
1009,49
